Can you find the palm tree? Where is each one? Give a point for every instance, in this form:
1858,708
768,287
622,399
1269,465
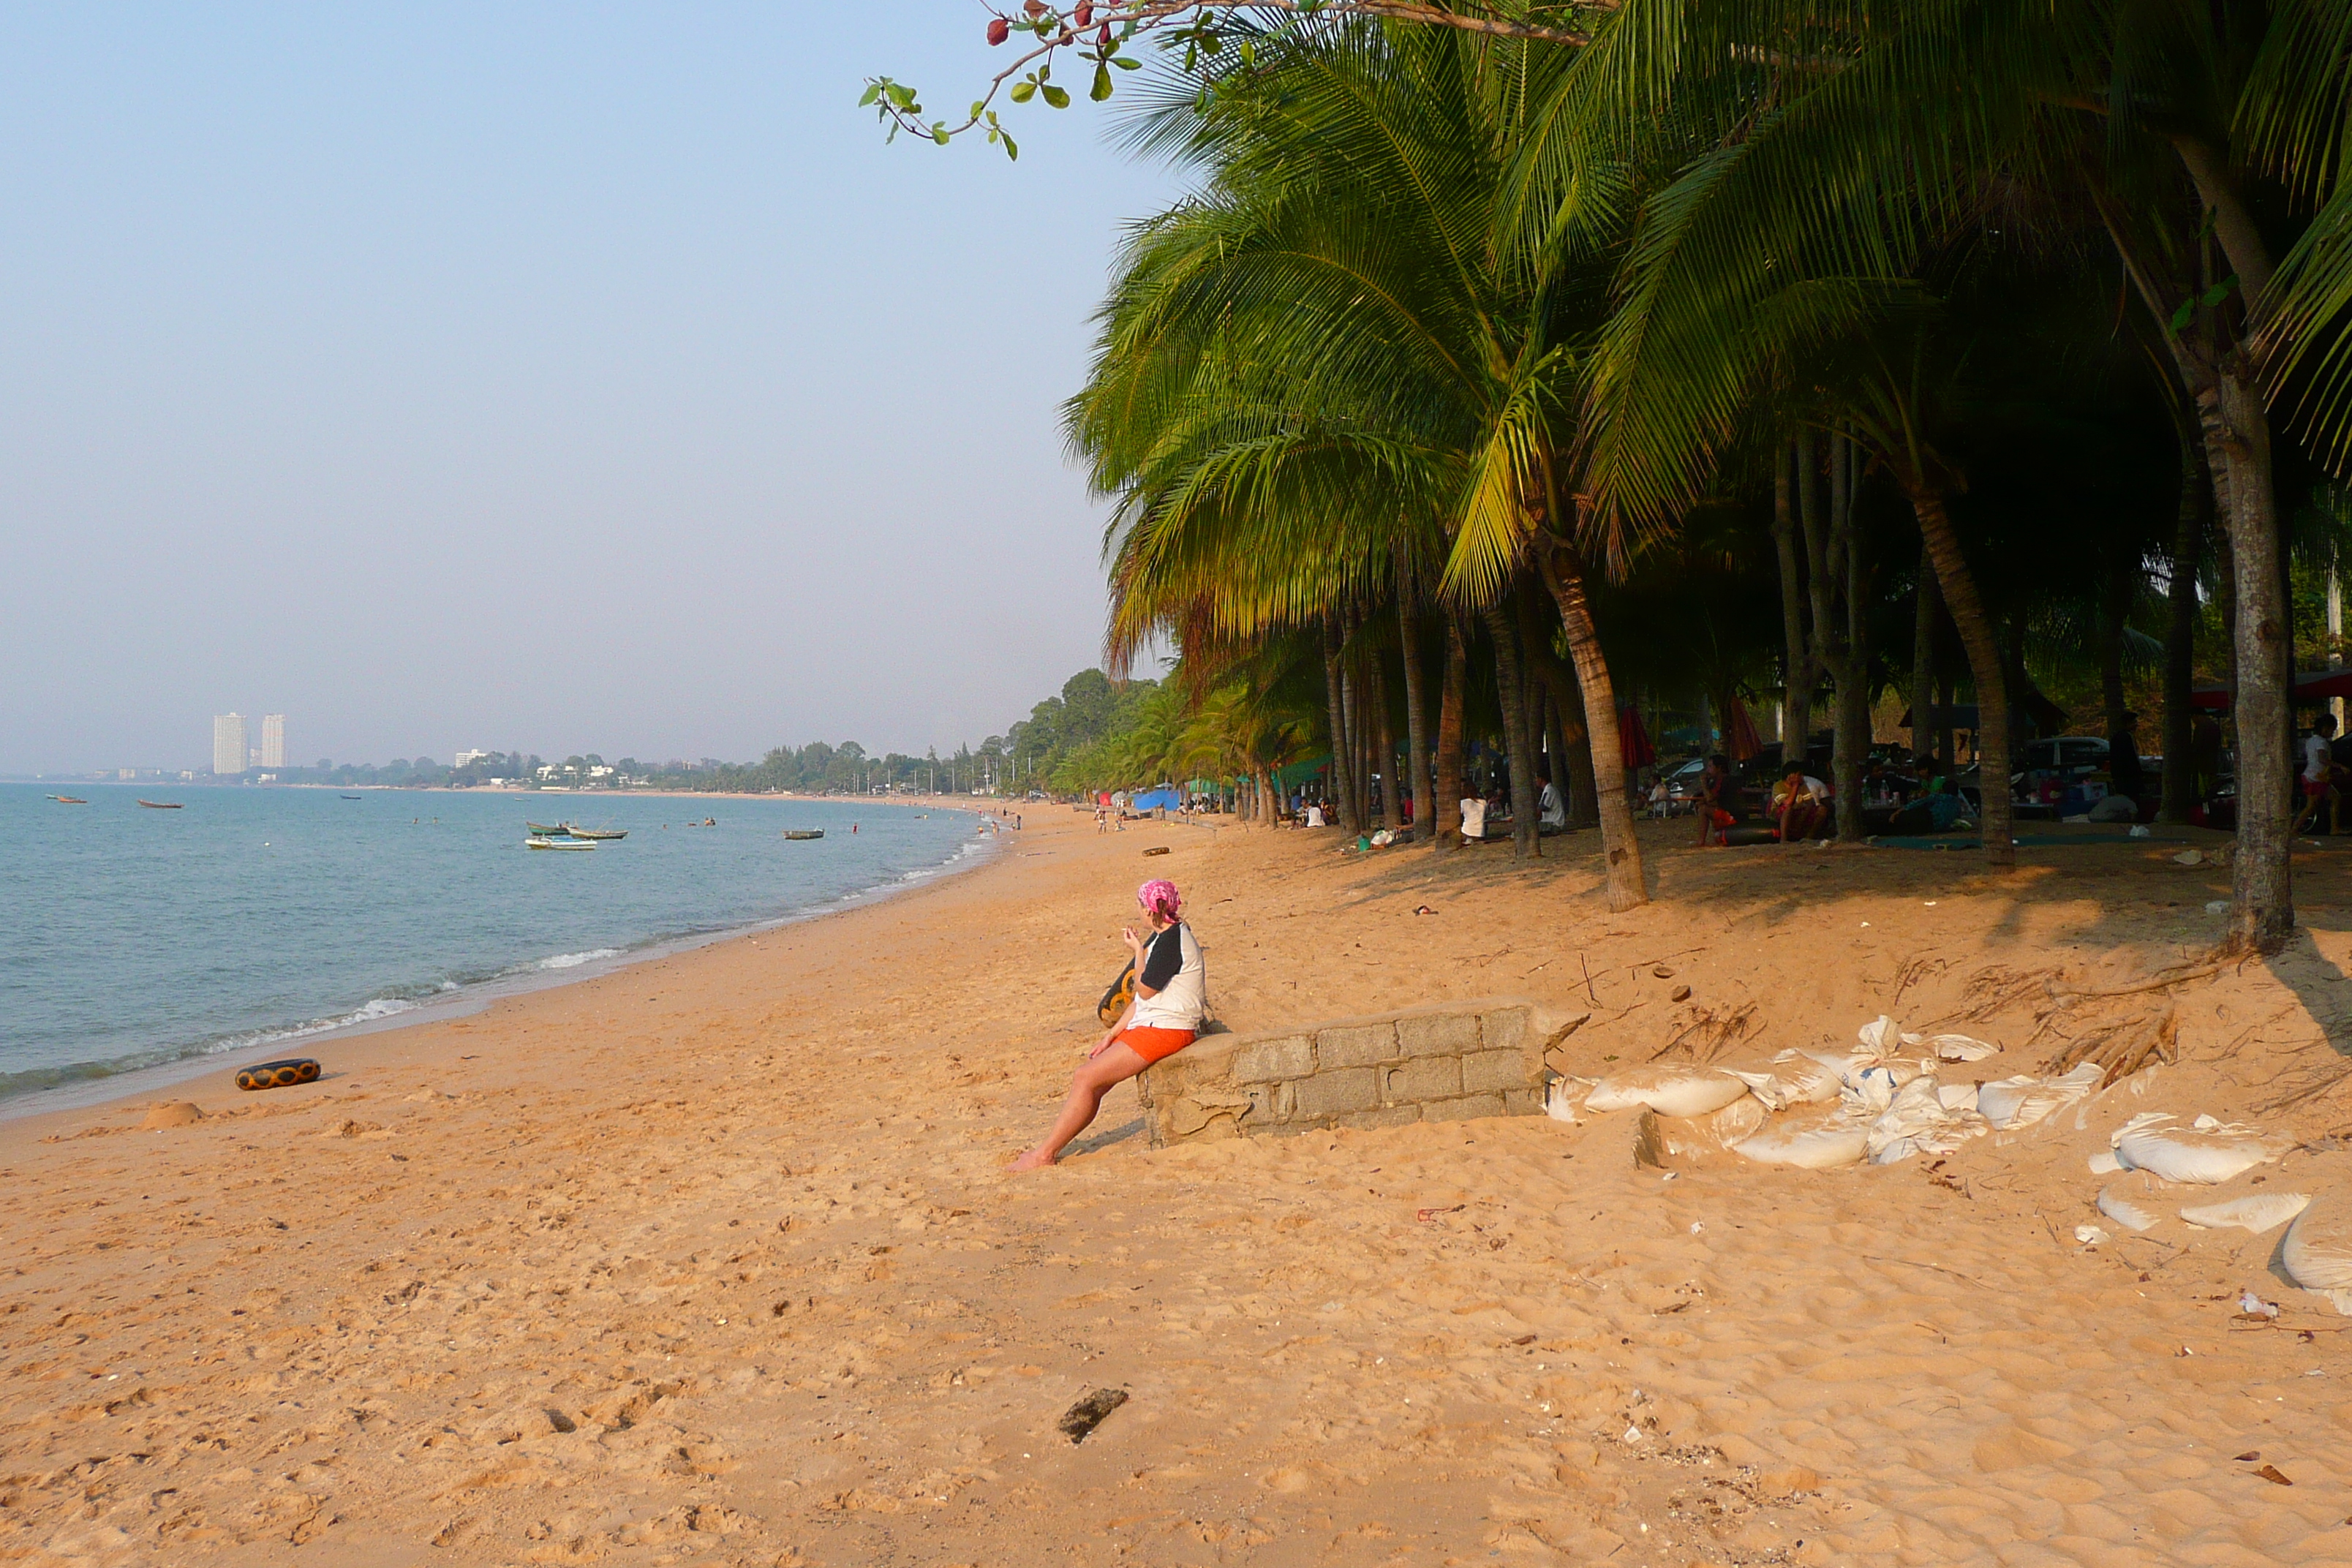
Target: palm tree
1327,366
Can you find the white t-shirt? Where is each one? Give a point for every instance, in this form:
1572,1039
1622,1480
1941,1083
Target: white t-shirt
1553,809
1182,1001
1474,817
1813,787
2316,757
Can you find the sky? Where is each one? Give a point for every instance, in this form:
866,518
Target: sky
542,378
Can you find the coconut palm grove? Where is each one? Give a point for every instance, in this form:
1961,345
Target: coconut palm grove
1918,379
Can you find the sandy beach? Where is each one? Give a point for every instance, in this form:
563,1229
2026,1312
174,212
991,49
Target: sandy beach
713,1259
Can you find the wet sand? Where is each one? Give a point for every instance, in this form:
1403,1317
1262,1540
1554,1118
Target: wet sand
713,1259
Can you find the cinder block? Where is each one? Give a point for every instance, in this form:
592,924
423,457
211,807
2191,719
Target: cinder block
1522,1103
1438,1033
1358,1045
1270,1104
1414,1082
1504,1029
1463,1109
1337,1093
1494,1070
1389,1116
1269,1061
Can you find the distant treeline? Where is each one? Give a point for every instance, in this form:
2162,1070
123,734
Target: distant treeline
1050,749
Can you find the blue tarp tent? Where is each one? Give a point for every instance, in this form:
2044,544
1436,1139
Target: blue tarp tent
1165,795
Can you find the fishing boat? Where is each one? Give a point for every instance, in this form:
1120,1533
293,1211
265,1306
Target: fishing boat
68,800
354,797
543,830
160,805
596,831
804,832
539,841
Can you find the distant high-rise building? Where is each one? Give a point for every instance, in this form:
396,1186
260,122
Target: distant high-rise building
273,740
229,744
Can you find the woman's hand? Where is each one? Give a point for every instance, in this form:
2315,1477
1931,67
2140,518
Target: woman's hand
1134,942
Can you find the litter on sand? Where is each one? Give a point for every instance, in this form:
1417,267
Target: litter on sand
2262,1212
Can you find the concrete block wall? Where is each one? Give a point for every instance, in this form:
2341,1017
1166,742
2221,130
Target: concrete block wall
1445,1062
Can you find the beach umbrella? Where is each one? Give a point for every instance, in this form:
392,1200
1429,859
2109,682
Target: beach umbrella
1740,739
1632,740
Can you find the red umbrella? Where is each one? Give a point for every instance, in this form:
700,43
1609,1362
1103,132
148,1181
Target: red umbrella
1740,736
1635,740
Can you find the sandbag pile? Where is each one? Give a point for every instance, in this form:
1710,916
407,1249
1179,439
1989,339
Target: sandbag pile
1813,1109
2317,1250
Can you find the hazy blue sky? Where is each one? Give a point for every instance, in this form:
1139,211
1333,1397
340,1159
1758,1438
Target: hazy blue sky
540,377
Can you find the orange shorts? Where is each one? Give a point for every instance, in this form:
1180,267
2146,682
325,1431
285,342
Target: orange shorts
1155,1045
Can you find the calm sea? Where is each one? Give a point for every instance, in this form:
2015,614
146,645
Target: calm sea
131,938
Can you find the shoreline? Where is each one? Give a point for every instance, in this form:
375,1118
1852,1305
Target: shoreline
97,1092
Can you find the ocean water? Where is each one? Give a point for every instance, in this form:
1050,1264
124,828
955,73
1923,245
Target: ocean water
132,938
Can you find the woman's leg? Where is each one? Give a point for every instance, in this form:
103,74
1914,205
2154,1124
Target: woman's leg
1096,1078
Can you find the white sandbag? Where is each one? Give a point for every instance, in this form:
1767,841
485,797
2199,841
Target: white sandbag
1812,1141
2262,1212
1918,1123
2153,1143
2317,1250
1956,1095
2125,1211
2105,1164
1955,1047
1681,1090
1882,1036
1564,1099
1793,1077
2011,1103
1672,1142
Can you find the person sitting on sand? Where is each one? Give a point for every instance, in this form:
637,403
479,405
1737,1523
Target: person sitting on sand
1798,804
1172,993
2319,779
1711,809
1551,811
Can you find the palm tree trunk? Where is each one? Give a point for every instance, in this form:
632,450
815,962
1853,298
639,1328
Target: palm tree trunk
1620,851
1515,732
1445,810
2180,624
1415,773
1796,702
1335,684
2261,912
1852,754
1923,665
1975,627
1388,773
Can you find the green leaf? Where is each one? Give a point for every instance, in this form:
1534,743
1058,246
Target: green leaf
2215,296
940,132
1057,96
904,96
1012,150
1102,84
1125,64
976,107
865,100
1022,91
2180,317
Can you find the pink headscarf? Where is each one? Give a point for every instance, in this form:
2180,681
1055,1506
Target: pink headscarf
1159,899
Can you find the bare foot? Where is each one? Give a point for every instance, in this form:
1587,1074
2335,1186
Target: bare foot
1035,1160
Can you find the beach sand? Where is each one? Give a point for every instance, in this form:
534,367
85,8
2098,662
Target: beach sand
713,1259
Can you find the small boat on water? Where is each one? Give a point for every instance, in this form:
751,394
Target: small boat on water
68,800
354,797
544,830
539,841
804,832
162,804
599,833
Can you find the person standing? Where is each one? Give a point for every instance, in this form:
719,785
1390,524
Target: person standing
1172,997
2319,778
